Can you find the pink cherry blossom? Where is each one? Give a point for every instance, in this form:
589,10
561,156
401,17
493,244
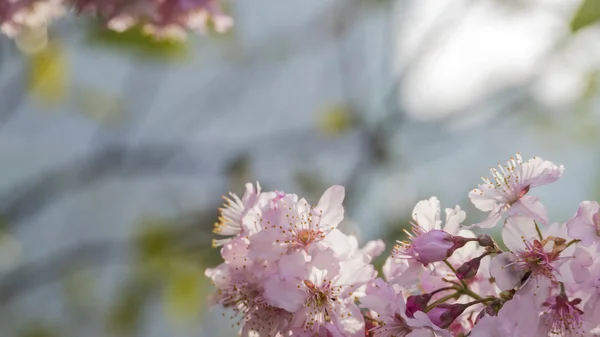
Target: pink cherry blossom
322,291
295,225
585,225
528,254
508,191
242,290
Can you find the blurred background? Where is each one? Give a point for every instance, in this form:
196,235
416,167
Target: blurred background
115,149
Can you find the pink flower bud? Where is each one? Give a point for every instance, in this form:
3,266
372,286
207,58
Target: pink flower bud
444,314
469,269
485,240
416,303
433,246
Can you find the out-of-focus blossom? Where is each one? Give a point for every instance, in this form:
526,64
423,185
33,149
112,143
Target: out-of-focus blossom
168,19
508,189
163,19
16,14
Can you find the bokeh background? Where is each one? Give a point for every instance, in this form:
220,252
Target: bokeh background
115,149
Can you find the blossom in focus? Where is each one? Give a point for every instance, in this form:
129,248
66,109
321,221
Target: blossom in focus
426,216
294,225
16,14
508,189
322,292
585,225
528,254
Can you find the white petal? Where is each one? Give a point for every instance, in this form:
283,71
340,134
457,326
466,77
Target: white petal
427,214
517,229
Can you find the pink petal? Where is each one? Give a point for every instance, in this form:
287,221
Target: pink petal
454,217
582,225
515,230
284,294
339,242
536,172
505,277
529,207
582,260
293,265
264,245
329,212
493,217
483,198
373,248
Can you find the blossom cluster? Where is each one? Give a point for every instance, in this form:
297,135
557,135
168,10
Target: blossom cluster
159,18
288,270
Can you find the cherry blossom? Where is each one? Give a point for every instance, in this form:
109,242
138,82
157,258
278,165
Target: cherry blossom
508,190
288,271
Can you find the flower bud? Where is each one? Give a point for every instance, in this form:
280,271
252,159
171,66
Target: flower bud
444,314
469,269
417,303
485,240
433,246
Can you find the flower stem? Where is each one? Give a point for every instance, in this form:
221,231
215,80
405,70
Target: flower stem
537,229
572,242
469,292
442,300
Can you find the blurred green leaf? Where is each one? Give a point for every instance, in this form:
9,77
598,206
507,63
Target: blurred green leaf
587,14
37,329
310,182
134,41
124,318
154,244
335,119
48,74
78,289
184,293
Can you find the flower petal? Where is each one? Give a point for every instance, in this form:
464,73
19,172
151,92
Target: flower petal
504,276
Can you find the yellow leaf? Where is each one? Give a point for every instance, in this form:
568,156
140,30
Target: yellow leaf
335,119
48,74
184,292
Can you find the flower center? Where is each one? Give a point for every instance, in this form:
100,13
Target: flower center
536,260
307,236
563,317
